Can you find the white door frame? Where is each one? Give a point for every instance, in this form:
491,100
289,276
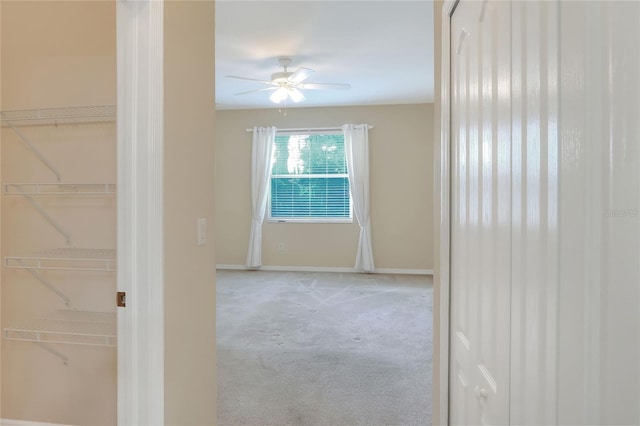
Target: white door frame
445,212
140,212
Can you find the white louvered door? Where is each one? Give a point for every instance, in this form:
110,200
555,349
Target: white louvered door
480,212
545,213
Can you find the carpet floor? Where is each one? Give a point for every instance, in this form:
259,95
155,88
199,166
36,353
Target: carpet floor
323,349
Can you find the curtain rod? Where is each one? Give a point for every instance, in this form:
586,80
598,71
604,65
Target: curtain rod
310,129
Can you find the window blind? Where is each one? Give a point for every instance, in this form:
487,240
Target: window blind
309,178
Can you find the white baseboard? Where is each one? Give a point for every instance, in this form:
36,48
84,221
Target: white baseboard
326,269
11,422
394,271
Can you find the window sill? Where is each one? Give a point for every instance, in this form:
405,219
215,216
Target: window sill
312,221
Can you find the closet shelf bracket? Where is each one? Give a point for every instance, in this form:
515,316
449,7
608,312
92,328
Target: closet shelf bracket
42,280
52,351
43,213
33,149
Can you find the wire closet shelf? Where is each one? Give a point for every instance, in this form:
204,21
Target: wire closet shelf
56,116
66,259
65,189
75,327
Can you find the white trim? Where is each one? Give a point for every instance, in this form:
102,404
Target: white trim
338,269
11,422
445,213
345,221
403,271
140,212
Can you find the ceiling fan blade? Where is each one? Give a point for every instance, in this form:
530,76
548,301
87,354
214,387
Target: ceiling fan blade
296,95
300,75
279,95
321,86
256,90
250,79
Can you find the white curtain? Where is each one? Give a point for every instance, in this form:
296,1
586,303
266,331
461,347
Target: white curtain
356,147
261,157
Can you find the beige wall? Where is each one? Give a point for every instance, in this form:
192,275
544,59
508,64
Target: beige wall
1,252
58,54
401,161
190,354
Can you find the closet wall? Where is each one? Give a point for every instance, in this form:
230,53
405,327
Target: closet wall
58,54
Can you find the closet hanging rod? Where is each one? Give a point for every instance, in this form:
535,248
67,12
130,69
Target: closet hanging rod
309,129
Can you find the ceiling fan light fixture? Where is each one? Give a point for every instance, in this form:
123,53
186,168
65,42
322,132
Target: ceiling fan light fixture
279,95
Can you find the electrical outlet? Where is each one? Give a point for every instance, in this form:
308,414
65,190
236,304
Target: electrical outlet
281,246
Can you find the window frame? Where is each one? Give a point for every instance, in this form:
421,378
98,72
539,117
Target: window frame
316,220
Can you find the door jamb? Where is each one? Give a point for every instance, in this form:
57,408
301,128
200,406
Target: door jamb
444,266
140,211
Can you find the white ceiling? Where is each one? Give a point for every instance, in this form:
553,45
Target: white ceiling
384,49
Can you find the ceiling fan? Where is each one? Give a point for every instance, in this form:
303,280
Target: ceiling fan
286,84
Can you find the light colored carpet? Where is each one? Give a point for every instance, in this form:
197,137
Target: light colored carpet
323,349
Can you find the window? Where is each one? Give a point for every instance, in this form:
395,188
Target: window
309,181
